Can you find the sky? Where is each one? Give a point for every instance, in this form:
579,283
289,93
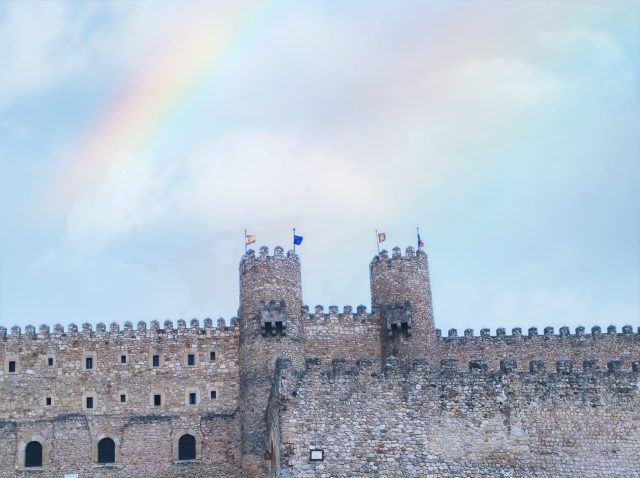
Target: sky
139,139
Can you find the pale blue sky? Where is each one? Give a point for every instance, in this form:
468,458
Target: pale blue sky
507,130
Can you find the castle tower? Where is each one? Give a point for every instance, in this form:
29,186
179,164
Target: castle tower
269,319
401,301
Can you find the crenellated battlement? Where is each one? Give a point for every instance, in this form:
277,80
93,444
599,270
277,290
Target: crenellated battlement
533,334
250,259
396,257
507,366
347,314
114,331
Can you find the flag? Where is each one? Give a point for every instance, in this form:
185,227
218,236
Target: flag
420,243
297,240
249,240
382,237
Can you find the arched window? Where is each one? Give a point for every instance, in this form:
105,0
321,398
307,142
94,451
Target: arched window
33,454
187,447
106,451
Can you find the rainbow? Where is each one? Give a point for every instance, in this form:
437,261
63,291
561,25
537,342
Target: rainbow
179,69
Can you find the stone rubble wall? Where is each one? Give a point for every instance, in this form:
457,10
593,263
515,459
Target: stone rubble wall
428,421
331,335
548,346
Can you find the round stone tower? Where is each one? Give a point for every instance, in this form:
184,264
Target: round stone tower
401,301
270,328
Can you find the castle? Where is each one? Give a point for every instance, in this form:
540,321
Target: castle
287,392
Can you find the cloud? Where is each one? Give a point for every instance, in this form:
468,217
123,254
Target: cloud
29,33
53,43
576,41
501,84
130,196
251,175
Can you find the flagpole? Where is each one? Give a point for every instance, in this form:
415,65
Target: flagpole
294,239
377,241
245,241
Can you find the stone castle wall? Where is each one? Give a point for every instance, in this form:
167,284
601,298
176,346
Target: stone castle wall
438,421
378,402
146,435
551,347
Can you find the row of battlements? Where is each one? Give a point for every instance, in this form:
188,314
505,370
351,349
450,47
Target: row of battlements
264,256
194,328
480,365
334,311
548,332
318,313
383,256
396,253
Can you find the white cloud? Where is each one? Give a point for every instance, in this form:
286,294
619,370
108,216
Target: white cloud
501,84
29,33
130,196
578,41
46,44
252,175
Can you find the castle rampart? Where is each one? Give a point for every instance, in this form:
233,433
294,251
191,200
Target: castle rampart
376,392
441,421
550,346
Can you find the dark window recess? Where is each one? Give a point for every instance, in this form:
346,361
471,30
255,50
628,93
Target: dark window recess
191,360
123,359
106,451
187,447
33,454
192,398
50,361
123,398
89,363
89,402
155,360
212,356
12,367
49,401
214,394
157,400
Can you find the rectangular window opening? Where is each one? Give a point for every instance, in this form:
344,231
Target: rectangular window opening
191,360
12,366
89,402
214,395
89,363
192,398
157,400
212,356
123,359
50,361
123,398
48,401
155,360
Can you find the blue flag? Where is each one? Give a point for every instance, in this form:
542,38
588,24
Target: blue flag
297,240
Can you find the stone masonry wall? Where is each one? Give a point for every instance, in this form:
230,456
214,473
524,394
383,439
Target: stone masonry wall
333,335
427,422
548,346
53,366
